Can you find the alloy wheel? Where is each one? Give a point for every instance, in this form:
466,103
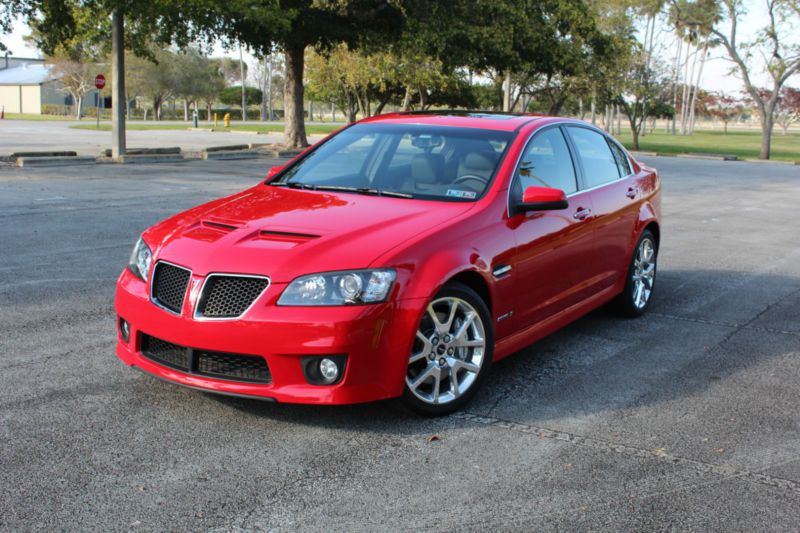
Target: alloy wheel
644,272
448,351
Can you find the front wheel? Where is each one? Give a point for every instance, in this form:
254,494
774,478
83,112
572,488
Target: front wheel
641,278
451,354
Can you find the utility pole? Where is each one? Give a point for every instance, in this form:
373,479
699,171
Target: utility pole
117,85
269,83
244,93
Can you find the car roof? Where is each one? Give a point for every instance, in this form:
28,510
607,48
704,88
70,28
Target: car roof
490,120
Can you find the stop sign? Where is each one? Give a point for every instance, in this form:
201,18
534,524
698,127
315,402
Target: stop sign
100,81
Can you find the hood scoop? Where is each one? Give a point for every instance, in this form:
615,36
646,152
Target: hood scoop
210,230
286,236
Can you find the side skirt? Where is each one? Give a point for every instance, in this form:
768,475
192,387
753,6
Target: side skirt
516,341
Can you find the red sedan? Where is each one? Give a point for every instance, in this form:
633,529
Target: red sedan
399,257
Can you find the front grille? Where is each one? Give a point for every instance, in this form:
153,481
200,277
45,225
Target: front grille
165,353
227,296
169,285
219,365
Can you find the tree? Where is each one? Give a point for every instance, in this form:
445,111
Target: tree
196,77
155,79
232,96
787,112
724,107
294,25
76,78
775,43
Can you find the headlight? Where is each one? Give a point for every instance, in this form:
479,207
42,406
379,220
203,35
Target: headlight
339,288
141,257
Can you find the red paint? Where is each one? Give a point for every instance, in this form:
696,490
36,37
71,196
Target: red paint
563,266
537,195
100,82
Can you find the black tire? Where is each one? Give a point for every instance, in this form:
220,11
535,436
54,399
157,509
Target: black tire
413,400
626,303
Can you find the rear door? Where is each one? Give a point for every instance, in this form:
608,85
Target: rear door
608,179
552,246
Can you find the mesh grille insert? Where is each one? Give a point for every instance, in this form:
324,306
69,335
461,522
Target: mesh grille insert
169,286
229,296
219,365
232,366
165,353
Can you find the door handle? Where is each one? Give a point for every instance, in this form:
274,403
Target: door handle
582,213
632,192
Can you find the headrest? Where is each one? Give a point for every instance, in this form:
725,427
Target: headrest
479,162
427,168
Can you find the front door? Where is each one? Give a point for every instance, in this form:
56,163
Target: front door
553,247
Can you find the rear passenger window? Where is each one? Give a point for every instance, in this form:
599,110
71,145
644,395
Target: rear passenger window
547,163
622,159
599,164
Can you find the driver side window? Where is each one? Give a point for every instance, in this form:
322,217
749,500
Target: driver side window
547,163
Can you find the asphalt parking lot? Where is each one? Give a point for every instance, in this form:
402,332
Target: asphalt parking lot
685,419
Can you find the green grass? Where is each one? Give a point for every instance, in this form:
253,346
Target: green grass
744,144
277,128
29,116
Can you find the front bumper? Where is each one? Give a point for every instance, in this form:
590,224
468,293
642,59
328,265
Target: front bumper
376,339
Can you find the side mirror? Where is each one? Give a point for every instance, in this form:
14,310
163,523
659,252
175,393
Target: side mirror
542,199
274,170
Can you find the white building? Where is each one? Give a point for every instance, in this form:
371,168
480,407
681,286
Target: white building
26,86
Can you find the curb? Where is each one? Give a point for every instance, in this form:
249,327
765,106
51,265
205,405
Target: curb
230,154
145,151
57,153
225,148
149,158
55,161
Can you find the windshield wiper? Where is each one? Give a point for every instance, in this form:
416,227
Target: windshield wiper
358,190
363,190
294,185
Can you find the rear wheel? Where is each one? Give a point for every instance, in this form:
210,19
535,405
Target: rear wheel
451,354
641,278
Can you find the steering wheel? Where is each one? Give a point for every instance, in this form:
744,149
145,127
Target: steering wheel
467,177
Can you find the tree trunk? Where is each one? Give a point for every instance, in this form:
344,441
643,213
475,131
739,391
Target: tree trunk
581,112
351,107
767,121
675,76
294,122
594,111
79,100
635,134
333,112
507,92
186,110
697,88
407,100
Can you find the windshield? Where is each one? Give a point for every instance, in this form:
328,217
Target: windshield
413,160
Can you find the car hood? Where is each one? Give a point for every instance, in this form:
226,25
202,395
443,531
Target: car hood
284,233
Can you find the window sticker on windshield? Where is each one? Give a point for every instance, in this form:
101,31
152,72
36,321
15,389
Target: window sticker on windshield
458,193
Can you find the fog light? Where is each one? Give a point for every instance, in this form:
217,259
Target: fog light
324,369
124,329
329,370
